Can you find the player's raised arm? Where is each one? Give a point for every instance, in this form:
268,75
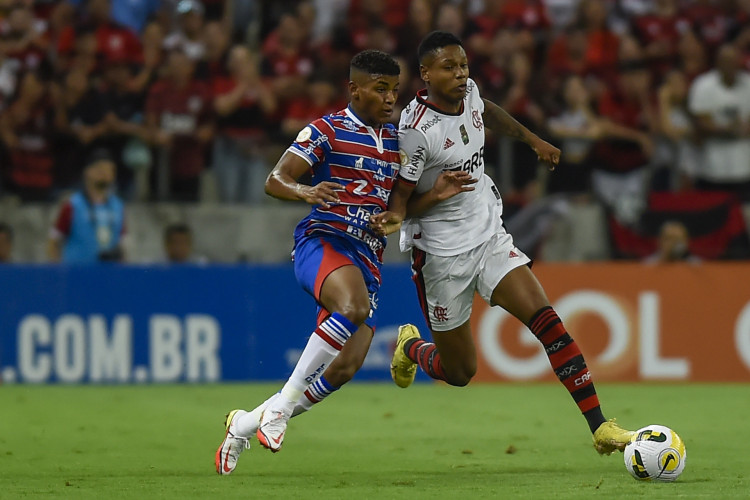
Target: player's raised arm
497,119
282,183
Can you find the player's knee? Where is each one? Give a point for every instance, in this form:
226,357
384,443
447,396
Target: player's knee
460,377
356,312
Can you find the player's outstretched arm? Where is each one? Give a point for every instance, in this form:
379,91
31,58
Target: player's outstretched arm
447,185
282,183
390,221
497,119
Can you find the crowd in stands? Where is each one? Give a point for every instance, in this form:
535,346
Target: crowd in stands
642,96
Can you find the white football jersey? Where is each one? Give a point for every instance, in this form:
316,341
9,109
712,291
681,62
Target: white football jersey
432,141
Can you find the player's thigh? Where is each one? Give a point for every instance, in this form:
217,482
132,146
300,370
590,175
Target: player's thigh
520,293
344,288
445,288
457,349
327,270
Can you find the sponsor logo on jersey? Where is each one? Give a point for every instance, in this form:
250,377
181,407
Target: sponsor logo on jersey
476,119
512,254
448,143
347,123
304,134
314,144
359,163
429,124
464,134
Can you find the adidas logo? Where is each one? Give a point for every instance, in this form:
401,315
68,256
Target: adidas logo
448,143
512,254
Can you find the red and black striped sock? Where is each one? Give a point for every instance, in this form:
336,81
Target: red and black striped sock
568,363
426,355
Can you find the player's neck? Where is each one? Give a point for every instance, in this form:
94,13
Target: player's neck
363,117
444,105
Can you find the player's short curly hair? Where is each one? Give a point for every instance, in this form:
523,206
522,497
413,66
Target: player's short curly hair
436,40
376,62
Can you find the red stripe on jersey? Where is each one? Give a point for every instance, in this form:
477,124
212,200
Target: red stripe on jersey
419,116
407,181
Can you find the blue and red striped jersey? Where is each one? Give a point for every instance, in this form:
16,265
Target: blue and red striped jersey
363,160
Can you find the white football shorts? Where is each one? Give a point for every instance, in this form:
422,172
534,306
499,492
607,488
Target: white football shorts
446,285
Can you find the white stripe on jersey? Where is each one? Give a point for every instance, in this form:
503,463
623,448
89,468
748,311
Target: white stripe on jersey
433,142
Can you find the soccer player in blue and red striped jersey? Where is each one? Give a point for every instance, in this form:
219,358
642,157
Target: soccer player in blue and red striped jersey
354,157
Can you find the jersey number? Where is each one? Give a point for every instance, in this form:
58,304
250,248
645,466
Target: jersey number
361,185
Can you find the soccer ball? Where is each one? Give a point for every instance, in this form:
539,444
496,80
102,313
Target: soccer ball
656,453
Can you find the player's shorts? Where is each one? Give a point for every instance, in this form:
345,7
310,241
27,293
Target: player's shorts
446,285
319,254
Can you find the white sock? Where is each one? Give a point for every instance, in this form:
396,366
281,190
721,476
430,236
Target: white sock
322,348
247,425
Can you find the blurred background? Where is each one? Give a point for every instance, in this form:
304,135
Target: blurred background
172,113
195,100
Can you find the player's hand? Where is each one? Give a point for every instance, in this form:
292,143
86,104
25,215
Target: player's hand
453,182
322,194
547,153
385,223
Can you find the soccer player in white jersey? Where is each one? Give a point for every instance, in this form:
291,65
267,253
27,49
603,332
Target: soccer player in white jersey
451,213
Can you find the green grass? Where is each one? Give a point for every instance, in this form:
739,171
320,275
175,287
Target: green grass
366,442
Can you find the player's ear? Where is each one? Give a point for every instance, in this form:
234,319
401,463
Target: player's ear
424,73
353,90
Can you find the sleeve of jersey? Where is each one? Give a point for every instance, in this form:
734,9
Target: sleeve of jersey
313,142
413,145
477,97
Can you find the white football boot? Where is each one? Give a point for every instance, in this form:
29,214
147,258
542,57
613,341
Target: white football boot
230,449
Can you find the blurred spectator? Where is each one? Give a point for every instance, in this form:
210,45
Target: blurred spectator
122,119
417,26
153,58
602,44
673,245
285,59
217,44
692,55
320,99
659,31
79,120
575,129
27,129
178,245
180,121
91,223
450,18
677,150
188,37
6,243
720,100
621,158
243,104
133,14
111,40
23,38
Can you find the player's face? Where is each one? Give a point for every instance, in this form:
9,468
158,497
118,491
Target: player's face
445,72
373,98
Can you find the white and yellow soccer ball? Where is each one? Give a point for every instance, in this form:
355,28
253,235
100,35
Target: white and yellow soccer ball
656,453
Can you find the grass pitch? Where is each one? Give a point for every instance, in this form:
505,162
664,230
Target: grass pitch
368,441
